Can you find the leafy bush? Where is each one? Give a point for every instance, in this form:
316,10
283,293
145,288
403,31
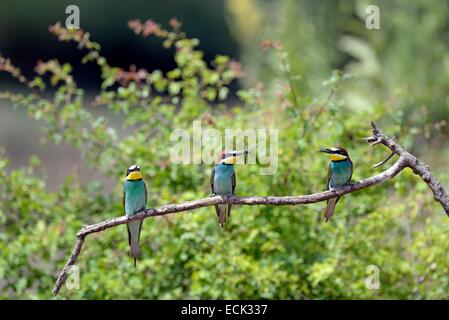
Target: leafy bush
264,252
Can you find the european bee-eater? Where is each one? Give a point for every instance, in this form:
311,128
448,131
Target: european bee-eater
339,174
134,200
222,181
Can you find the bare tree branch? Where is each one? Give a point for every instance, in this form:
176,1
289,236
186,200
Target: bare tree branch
63,276
405,160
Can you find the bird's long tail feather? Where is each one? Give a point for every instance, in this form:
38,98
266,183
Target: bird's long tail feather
134,228
330,209
222,211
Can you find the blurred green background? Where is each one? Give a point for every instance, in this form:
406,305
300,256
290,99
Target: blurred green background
63,160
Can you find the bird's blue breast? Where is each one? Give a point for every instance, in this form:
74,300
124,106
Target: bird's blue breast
340,173
223,179
135,197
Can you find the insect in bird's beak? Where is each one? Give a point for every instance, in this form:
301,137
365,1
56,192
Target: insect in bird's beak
247,151
242,152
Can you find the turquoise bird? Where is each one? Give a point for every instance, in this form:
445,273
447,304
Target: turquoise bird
134,200
339,174
222,181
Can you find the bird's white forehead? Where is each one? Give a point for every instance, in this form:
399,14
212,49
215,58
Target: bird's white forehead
335,149
133,167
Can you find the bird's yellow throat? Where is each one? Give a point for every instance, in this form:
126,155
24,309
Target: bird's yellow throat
134,175
338,157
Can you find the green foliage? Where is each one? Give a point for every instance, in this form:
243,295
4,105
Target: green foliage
264,252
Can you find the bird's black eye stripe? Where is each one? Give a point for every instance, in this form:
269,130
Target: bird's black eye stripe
132,169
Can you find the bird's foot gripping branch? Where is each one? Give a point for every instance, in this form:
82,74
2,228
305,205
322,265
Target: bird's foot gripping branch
405,160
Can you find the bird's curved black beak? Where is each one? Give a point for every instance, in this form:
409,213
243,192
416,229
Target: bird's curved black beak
326,150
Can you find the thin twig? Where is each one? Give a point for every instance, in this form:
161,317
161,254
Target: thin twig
391,155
